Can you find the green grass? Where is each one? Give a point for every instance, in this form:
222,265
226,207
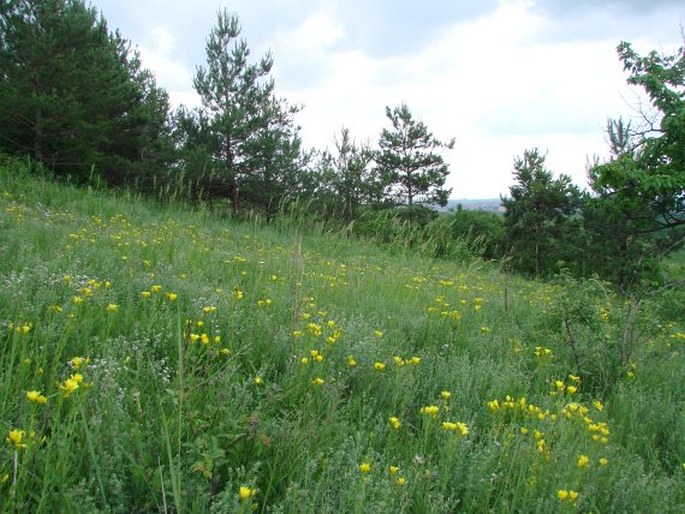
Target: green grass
184,356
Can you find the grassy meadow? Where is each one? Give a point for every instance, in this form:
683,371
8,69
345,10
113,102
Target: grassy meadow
162,359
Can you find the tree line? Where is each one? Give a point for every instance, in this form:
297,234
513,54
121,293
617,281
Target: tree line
76,99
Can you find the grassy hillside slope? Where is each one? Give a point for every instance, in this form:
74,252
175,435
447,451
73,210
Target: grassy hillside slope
161,360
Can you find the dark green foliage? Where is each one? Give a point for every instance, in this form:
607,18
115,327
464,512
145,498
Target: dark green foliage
242,142
353,180
410,168
484,231
274,161
637,214
541,219
74,96
659,177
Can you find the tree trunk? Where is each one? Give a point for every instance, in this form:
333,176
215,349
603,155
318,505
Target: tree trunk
38,136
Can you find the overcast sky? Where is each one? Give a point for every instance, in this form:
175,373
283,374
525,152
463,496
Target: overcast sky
500,76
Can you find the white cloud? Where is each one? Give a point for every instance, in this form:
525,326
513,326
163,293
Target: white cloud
488,83
319,31
518,77
159,54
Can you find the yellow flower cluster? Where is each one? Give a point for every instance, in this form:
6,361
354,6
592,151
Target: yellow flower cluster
599,430
583,461
567,496
20,328
36,397
543,353
20,440
430,410
77,362
71,384
521,406
560,386
456,427
394,471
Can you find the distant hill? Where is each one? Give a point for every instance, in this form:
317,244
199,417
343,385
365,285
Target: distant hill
486,204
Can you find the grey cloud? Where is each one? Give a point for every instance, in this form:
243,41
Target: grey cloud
389,29
572,7
626,20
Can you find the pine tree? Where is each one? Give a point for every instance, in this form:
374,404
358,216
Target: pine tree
249,133
354,181
539,215
73,94
408,163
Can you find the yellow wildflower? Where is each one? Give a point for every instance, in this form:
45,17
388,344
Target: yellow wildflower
314,329
364,468
378,366
77,362
430,410
493,405
351,362
395,422
15,438
112,307
36,397
245,493
445,395
401,481
603,461
456,427
172,297
583,461
71,384
318,381
393,470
